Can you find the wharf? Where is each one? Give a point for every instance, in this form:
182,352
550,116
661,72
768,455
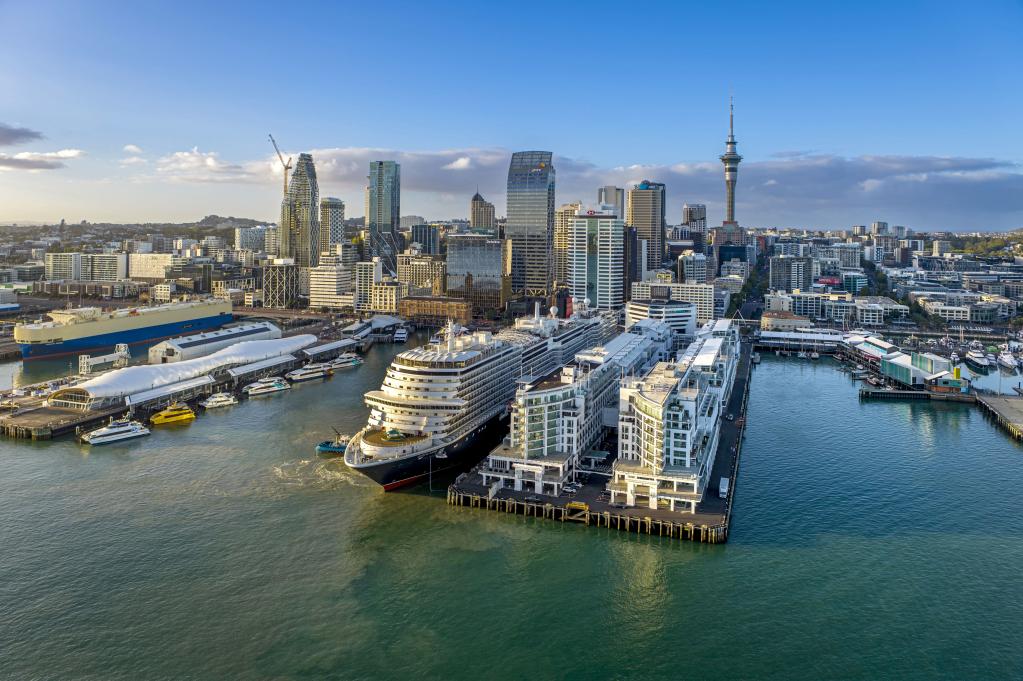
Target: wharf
1006,411
44,422
895,394
709,524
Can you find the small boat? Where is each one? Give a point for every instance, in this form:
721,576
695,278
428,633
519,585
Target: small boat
335,447
1007,360
815,355
266,386
977,359
756,358
436,339
309,372
175,413
346,360
401,335
115,431
219,400
954,358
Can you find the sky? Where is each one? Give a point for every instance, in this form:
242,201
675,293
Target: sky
845,113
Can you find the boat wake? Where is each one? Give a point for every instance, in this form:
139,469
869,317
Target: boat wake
318,473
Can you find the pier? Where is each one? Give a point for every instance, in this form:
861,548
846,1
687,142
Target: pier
1007,412
710,523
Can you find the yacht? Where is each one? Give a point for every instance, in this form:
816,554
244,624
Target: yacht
815,355
441,405
1007,360
178,412
954,358
219,400
401,335
977,359
115,431
309,372
266,386
346,360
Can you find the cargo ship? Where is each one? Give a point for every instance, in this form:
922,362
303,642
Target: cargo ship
86,330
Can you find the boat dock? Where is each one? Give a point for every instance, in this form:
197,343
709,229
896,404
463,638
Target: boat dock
895,394
709,524
1007,412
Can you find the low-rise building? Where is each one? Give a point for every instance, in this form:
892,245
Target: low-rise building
435,310
779,320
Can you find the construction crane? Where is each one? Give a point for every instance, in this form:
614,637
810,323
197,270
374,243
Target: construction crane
287,166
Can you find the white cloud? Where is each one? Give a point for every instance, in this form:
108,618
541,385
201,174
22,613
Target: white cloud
206,166
133,161
132,149
460,163
38,160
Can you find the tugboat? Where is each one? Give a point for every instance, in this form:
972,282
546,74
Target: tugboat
335,447
219,400
176,413
115,431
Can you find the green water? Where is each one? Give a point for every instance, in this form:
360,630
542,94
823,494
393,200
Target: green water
870,541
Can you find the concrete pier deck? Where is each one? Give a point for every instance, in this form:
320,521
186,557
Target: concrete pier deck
709,524
1006,411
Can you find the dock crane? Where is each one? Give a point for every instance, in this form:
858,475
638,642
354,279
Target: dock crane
287,166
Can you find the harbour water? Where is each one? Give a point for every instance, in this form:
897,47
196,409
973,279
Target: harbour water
870,540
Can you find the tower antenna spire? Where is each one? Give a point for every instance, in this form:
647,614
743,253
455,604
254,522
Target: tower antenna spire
731,116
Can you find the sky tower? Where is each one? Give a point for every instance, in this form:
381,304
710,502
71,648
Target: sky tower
731,161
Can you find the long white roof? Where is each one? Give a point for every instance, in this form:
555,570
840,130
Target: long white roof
131,380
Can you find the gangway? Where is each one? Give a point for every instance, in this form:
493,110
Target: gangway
118,358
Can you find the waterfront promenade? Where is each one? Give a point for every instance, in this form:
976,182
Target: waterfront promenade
709,523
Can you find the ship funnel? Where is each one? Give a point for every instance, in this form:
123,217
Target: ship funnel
451,335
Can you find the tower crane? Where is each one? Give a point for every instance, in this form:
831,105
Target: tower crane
286,166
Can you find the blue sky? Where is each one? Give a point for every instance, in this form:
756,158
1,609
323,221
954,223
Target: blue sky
846,113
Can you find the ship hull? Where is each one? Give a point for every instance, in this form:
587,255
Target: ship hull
106,341
460,455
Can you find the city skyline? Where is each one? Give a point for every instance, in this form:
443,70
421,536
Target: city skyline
831,136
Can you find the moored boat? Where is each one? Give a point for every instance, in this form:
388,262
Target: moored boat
219,400
977,359
309,372
115,431
266,386
175,413
1007,360
401,335
346,360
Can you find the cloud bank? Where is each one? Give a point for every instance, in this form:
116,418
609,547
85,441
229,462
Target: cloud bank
787,189
38,160
10,134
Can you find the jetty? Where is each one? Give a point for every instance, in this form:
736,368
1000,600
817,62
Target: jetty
1007,412
589,506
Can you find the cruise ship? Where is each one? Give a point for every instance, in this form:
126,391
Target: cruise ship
440,406
85,330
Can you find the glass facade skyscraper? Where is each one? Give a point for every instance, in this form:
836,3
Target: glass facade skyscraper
478,271
645,212
383,211
530,221
299,231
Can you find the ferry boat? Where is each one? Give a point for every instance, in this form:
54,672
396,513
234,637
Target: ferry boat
176,413
334,447
1007,360
219,400
115,431
977,359
85,330
309,372
401,335
266,386
441,405
346,360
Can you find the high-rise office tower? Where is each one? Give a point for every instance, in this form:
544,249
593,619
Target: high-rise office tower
272,241
428,238
645,212
383,211
481,213
332,223
692,268
878,227
530,222
563,218
731,160
790,273
609,195
300,223
478,269
595,259
634,255
694,217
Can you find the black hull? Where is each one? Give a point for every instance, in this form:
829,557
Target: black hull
461,455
